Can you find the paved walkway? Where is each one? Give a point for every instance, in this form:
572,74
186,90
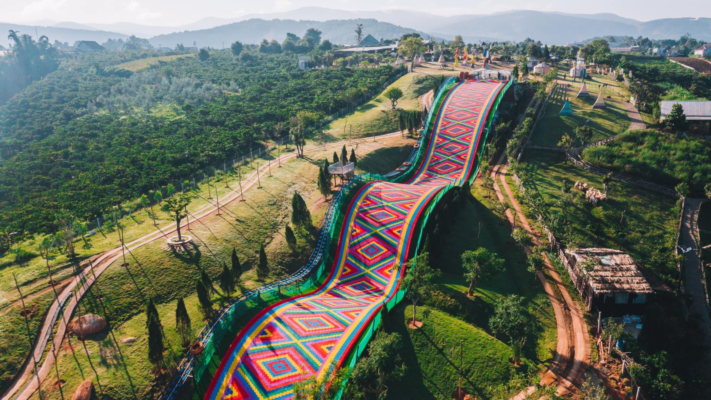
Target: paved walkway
635,117
693,279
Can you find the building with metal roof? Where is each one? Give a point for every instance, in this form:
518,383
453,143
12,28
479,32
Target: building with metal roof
694,110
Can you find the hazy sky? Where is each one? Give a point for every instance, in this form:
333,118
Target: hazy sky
176,12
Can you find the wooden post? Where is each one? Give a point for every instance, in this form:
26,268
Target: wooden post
637,396
599,322
624,365
29,335
239,174
259,182
279,155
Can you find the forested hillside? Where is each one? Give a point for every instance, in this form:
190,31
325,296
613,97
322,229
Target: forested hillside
90,136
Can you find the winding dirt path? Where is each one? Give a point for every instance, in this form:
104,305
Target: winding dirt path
26,382
573,349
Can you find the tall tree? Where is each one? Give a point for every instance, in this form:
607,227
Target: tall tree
300,216
393,94
411,47
344,155
511,318
676,120
236,48
227,281
182,321
359,33
290,238
178,207
236,266
263,266
155,335
418,281
383,365
204,300
353,158
480,265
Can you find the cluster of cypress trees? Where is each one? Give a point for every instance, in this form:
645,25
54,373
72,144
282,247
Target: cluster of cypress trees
324,179
410,121
155,335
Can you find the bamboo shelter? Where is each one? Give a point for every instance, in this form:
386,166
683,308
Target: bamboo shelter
609,280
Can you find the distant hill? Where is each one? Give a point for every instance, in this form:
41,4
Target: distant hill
68,35
254,31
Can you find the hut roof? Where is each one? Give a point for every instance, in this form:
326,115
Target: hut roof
613,272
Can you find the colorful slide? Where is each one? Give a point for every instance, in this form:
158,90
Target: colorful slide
308,335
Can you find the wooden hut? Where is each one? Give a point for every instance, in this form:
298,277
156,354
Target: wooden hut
609,281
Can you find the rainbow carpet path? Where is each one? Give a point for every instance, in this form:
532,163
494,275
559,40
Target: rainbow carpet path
308,335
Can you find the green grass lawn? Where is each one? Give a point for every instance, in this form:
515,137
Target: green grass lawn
605,123
158,273
377,116
455,318
647,230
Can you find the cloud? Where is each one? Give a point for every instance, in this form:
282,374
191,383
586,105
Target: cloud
38,7
142,12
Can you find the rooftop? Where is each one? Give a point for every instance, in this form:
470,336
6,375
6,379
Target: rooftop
613,272
694,110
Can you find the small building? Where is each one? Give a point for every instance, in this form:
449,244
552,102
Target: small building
624,50
609,281
89,46
703,51
659,52
694,110
304,62
369,41
542,69
578,71
532,62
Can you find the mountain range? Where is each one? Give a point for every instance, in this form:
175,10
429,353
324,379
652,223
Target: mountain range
549,27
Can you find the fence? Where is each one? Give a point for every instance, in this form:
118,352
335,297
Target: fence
527,143
680,265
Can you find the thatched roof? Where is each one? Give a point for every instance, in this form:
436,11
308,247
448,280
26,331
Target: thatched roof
613,272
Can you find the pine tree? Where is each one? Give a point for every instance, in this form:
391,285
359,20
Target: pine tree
236,266
263,267
290,239
227,281
324,182
344,155
155,335
335,157
403,125
182,321
353,158
426,247
204,299
207,282
300,216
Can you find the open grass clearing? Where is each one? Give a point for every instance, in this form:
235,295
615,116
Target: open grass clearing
605,122
137,65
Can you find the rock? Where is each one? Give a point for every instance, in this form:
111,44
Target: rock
84,391
87,325
128,340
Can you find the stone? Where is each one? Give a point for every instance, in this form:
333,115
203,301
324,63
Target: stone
84,391
87,324
128,340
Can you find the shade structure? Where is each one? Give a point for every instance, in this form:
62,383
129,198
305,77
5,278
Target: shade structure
566,110
599,103
584,91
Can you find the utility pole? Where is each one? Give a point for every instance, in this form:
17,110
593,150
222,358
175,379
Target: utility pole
259,182
29,335
279,155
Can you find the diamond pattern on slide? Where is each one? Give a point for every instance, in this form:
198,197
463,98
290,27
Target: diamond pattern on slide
304,336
